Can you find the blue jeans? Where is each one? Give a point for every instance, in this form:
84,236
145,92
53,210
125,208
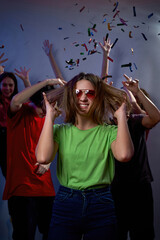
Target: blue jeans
87,215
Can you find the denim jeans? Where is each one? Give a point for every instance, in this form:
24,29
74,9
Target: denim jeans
87,215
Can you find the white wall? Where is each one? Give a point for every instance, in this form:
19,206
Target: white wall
42,18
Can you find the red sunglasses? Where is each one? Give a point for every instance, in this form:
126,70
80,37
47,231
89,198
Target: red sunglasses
89,93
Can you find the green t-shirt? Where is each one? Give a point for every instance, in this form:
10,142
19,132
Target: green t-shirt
85,159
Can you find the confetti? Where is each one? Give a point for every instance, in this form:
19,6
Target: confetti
104,20
120,24
89,32
110,59
108,76
116,5
82,9
115,14
109,27
123,21
77,61
150,15
90,40
132,50
82,53
60,28
84,58
21,27
130,34
135,66
126,65
144,36
114,42
66,38
134,11
84,45
2,46
122,29
106,37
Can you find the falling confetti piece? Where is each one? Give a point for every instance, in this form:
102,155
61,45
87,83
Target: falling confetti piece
106,37
84,45
89,32
108,76
132,50
114,42
134,11
59,28
82,9
120,24
150,15
2,46
116,5
122,29
126,65
123,21
144,36
21,27
130,34
104,20
115,14
109,27
66,38
110,59
84,58
82,53
135,66
90,40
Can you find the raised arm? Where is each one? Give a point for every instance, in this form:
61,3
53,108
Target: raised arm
24,95
23,74
153,114
106,48
46,148
2,61
122,147
47,47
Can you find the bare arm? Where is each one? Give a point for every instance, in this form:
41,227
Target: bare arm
122,147
24,75
48,50
24,95
46,148
106,48
153,114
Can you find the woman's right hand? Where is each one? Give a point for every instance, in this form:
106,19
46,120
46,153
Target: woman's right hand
52,110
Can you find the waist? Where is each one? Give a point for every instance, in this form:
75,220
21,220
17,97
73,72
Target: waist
92,190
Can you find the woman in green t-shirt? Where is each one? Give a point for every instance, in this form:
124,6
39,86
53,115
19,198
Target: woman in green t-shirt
86,147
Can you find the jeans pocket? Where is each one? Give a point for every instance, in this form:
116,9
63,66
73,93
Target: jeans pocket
62,196
104,197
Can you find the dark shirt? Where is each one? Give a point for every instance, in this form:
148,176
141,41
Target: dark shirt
137,170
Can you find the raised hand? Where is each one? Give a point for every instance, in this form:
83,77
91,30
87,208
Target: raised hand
23,74
4,60
47,47
131,84
106,46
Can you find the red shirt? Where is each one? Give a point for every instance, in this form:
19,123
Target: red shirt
4,104
23,131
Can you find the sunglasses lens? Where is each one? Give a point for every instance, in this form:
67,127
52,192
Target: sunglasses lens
78,93
90,94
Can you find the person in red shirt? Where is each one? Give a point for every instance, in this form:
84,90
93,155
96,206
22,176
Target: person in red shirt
29,188
8,88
